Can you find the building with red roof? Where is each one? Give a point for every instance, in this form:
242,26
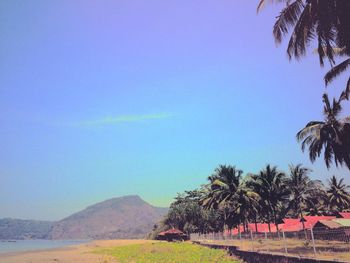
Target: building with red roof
296,224
172,234
288,225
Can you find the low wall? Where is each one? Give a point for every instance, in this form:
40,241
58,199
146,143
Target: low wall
255,257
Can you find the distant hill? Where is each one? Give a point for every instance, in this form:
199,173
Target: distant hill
24,229
117,218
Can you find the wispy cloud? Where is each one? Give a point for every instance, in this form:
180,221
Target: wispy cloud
107,121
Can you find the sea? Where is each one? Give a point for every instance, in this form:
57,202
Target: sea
14,246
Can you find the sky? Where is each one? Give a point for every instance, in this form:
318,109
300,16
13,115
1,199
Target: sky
100,99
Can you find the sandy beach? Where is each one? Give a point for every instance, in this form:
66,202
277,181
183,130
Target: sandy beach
77,254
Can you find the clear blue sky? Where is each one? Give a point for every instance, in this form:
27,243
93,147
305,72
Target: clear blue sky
106,98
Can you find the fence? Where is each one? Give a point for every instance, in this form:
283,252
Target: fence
316,243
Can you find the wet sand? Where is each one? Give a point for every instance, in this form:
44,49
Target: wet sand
72,254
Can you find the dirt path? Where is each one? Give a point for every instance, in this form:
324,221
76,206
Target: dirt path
73,254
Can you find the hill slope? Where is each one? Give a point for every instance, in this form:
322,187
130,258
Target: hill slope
123,217
24,229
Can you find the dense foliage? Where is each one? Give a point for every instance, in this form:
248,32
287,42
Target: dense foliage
230,199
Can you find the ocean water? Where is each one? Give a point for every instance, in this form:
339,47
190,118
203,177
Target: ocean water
12,246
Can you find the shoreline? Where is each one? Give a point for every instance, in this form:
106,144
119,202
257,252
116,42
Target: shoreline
56,244
81,253
17,253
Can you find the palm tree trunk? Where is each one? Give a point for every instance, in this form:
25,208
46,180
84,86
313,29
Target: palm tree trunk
303,223
268,221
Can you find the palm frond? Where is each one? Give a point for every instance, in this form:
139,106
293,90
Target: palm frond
219,183
263,2
336,71
309,128
346,119
302,34
345,93
287,18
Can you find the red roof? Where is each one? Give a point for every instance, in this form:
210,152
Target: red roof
289,224
251,227
345,215
295,224
262,227
292,225
172,231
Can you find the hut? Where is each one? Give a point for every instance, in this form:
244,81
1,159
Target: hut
326,225
172,234
336,229
161,236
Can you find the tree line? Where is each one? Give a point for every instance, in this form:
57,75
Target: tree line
231,199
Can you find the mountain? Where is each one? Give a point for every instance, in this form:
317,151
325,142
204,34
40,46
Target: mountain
117,218
24,229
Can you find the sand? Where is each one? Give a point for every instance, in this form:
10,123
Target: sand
72,254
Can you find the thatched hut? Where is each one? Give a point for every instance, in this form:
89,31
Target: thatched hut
172,234
336,229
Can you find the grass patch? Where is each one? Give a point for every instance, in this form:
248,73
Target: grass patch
166,252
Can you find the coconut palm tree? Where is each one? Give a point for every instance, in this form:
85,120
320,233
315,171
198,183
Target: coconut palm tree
338,194
271,186
223,184
303,190
227,192
300,186
332,135
245,205
326,21
222,190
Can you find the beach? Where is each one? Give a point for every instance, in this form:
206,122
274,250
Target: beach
82,253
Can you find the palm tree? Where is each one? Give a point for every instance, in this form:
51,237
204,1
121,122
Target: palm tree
332,135
303,190
223,184
338,194
222,189
270,185
326,21
227,192
301,187
246,205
